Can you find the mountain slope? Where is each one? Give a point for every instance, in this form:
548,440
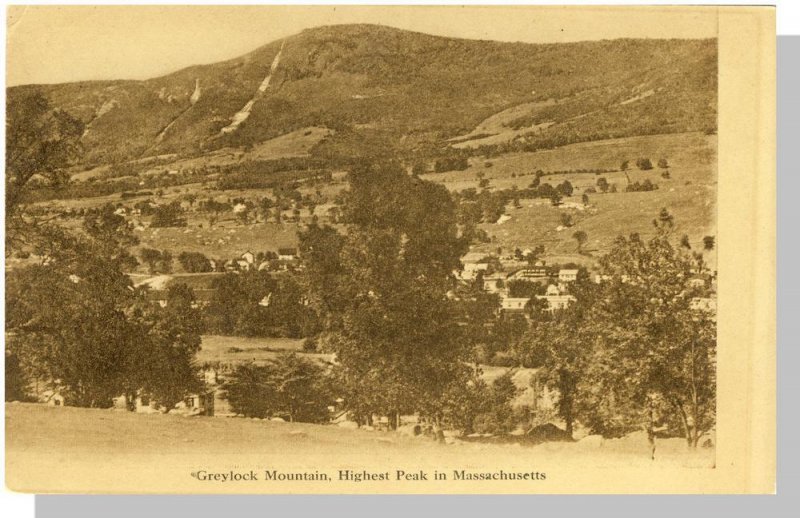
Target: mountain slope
418,90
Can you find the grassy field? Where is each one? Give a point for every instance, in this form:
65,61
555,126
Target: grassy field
62,449
690,193
235,349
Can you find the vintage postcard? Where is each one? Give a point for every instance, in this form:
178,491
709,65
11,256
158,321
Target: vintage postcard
281,249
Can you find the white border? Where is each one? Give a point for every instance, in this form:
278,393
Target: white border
788,23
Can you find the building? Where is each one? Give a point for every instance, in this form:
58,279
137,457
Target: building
248,257
494,283
474,257
471,270
556,299
567,275
514,304
534,274
287,254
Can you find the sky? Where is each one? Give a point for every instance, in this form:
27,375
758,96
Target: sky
55,44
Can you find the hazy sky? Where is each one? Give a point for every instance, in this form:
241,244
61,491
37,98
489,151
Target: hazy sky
49,44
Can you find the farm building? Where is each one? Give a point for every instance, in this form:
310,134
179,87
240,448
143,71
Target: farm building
565,275
514,304
287,254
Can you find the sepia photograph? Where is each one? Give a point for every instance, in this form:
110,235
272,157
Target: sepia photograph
283,249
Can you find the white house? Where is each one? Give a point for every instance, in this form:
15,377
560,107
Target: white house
471,270
514,304
567,275
249,257
287,254
557,302
494,283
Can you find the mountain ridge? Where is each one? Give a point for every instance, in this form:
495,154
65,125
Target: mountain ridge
417,89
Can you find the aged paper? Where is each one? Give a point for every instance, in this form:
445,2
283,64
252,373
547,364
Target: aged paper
390,250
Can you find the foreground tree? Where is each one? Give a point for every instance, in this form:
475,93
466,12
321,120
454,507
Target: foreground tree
40,140
383,287
289,387
665,347
102,339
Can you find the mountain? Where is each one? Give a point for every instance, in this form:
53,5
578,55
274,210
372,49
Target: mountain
416,91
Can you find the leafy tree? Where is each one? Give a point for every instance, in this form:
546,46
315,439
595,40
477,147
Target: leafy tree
559,346
662,163
40,140
585,199
289,387
169,215
644,164
388,317
623,166
173,341
665,350
602,184
194,262
708,243
156,261
214,209
565,188
103,339
580,237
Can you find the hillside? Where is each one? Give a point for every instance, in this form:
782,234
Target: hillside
415,91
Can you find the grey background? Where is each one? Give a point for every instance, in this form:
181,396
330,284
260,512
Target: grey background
786,503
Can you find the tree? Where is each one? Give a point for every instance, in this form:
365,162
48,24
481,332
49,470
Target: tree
39,140
156,261
580,237
559,346
624,166
565,188
214,209
644,164
150,257
662,163
708,243
173,341
383,290
664,349
104,338
289,387
169,215
194,262
419,168
602,184
585,199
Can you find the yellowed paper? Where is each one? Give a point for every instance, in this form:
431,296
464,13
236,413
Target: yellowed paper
55,446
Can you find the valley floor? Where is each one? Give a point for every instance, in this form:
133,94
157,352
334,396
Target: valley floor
63,449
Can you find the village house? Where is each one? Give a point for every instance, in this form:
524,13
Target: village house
534,274
556,299
567,275
514,304
470,271
473,257
248,257
287,254
495,283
